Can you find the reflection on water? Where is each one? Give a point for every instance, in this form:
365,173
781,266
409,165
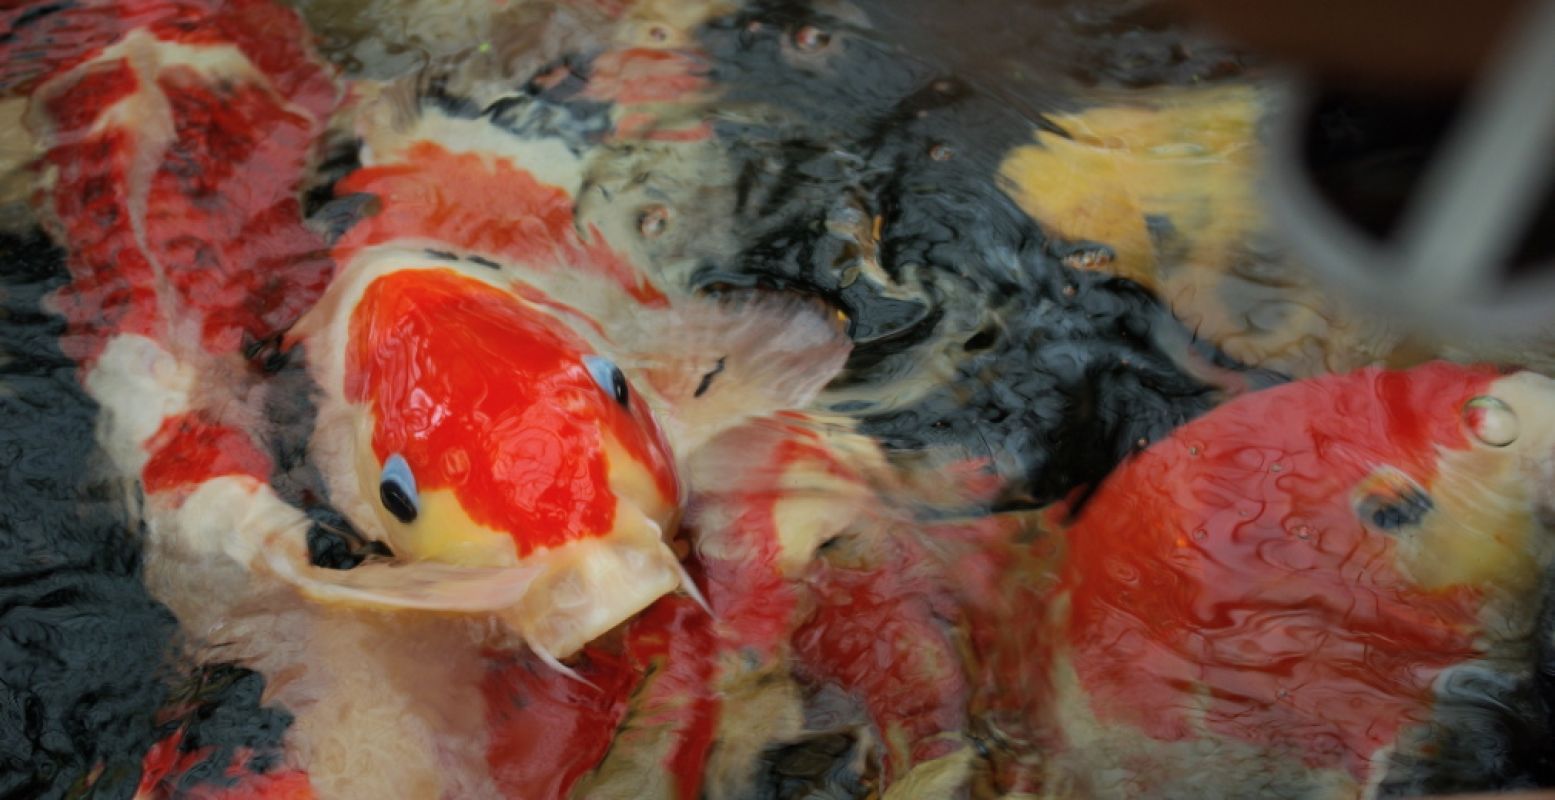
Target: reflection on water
1095,507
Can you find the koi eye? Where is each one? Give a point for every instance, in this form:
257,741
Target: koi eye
397,490
1390,500
1491,421
608,376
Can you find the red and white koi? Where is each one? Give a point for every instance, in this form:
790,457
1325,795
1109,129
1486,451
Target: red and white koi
1267,599
468,415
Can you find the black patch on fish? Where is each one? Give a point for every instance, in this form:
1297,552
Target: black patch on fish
580,124
483,261
342,156
443,254
1079,375
28,45
1489,731
333,542
534,112
220,708
32,16
292,412
575,69
1407,510
85,651
707,379
434,93
339,215
266,355
820,765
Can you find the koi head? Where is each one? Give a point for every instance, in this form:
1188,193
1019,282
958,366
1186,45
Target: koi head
489,437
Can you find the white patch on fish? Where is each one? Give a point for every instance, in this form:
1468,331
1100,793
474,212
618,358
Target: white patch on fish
138,385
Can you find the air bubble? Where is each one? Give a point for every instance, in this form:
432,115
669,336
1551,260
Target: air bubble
1491,421
1090,259
810,39
652,221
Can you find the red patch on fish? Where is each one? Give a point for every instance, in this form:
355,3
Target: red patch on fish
207,229
878,632
548,731
752,599
487,206
190,449
645,75
499,408
1221,581
882,634
673,642
167,764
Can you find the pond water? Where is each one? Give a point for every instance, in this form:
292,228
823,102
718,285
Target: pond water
697,398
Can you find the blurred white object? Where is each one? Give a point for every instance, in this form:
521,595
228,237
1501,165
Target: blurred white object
1445,269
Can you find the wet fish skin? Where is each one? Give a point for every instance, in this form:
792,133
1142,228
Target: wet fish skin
1229,597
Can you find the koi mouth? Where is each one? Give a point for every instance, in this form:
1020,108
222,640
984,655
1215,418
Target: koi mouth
556,601
591,586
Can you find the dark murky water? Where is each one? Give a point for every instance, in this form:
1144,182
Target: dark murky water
1039,224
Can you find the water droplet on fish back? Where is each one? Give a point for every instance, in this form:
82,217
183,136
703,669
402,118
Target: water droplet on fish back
652,221
1491,421
810,39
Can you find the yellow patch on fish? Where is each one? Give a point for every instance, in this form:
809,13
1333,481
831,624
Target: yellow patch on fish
1162,189
1185,158
18,150
1483,531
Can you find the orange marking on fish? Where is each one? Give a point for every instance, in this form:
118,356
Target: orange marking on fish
167,763
191,449
645,75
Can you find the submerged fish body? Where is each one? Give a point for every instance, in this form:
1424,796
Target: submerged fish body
1270,595
489,196
475,413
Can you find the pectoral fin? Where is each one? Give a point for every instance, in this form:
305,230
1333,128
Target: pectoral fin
386,584
730,361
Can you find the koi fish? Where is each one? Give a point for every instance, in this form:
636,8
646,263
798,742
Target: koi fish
1266,601
825,617
510,451
505,402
